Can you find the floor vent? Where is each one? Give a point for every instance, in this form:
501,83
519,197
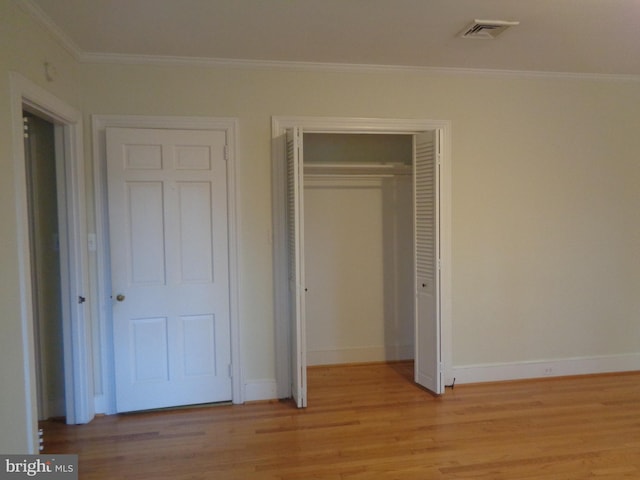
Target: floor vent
486,29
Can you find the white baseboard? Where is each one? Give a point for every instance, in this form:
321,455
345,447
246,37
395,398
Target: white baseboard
253,391
256,390
549,368
360,355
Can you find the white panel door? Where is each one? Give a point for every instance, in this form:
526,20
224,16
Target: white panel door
295,234
169,267
426,147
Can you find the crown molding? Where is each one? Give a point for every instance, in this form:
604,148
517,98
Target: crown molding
45,21
162,60
185,61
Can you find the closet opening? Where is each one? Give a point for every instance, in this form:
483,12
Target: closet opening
358,232
321,157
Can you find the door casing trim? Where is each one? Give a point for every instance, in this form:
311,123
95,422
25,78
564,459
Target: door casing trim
78,375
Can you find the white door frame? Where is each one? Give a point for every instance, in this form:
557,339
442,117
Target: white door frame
106,400
78,375
279,125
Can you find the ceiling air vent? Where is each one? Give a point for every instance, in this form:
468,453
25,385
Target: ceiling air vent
486,29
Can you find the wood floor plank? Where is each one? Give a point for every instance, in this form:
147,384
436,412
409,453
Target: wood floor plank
371,422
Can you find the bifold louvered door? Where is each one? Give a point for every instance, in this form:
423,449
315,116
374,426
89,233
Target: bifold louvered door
427,271
295,243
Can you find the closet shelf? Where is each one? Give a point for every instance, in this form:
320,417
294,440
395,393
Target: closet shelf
386,169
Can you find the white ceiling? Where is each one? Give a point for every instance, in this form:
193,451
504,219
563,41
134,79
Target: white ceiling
569,36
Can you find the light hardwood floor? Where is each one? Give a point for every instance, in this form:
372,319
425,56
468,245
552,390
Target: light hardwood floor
371,422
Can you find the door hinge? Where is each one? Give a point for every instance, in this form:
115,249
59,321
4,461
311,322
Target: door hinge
230,371
226,152
25,126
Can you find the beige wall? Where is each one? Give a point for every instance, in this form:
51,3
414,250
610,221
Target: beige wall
545,206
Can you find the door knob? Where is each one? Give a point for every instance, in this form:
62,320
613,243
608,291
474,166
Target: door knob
120,297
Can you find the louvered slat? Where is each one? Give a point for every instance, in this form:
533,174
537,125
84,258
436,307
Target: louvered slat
291,207
425,208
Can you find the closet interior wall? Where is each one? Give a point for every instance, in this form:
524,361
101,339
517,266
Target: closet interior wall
358,248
